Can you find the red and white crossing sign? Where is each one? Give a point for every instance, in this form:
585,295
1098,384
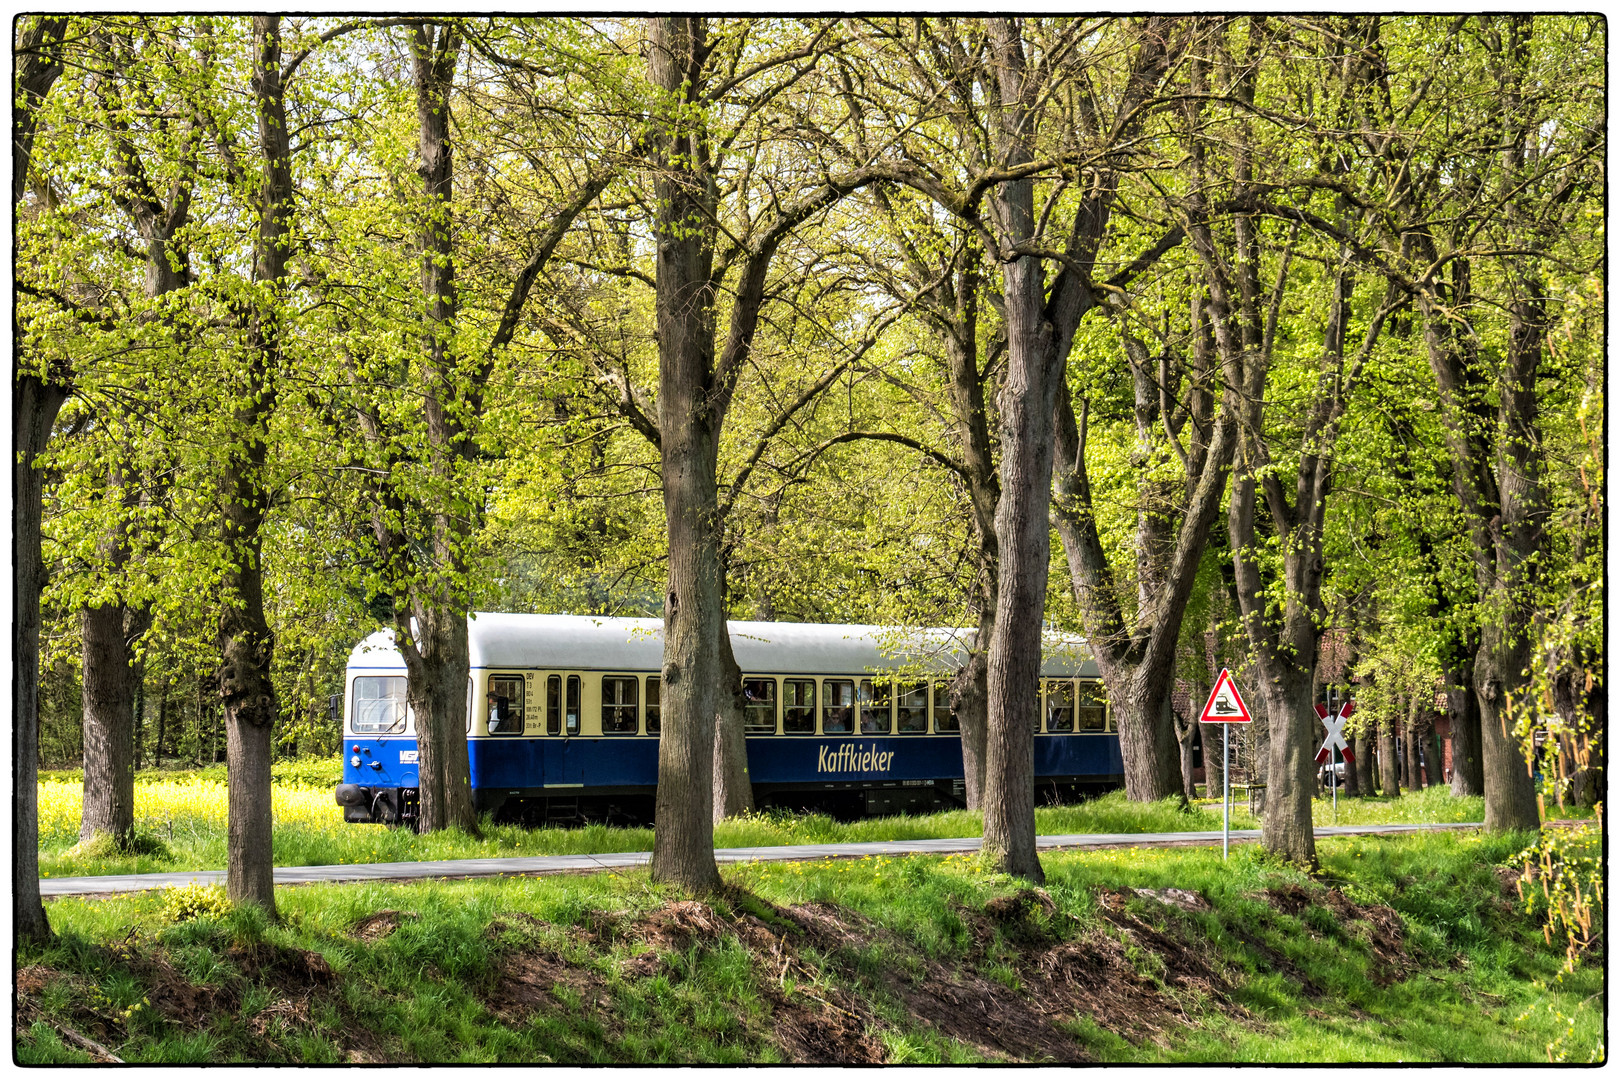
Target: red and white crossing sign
1335,733
1225,704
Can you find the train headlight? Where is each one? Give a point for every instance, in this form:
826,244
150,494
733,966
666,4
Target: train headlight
355,761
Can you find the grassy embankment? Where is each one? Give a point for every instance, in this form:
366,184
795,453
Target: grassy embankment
1409,948
180,819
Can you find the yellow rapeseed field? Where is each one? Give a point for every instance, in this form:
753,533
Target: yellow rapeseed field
188,804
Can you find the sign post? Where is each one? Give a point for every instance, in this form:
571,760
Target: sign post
1225,706
1335,741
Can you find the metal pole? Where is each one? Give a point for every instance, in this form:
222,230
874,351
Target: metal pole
1226,787
1333,775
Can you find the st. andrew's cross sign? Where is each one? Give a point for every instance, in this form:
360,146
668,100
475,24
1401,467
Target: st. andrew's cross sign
1335,733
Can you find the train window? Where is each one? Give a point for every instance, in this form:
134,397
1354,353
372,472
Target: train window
944,715
759,706
553,704
1093,710
799,706
911,708
619,705
875,712
470,709
379,705
837,707
504,705
1059,705
655,715
571,712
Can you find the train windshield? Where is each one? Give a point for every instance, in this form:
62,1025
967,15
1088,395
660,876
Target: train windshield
379,705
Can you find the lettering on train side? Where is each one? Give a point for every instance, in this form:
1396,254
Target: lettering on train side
853,757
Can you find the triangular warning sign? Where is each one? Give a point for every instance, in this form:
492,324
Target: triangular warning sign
1225,704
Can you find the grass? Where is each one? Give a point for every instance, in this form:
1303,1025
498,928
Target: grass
586,969
180,825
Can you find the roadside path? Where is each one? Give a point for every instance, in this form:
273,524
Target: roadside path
575,864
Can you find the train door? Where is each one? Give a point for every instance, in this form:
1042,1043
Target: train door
565,751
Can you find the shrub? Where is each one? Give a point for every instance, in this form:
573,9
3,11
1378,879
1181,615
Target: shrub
195,901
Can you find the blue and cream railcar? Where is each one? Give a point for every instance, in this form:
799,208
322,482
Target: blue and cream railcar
564,717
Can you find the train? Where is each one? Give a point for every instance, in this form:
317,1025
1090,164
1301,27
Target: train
563,720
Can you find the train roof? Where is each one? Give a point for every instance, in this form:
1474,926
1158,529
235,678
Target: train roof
608,643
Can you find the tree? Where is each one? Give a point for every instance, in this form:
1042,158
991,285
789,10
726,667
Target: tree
696,383
943,277
37,393
1280,595
115,615
1137,655
1019,68
246,645
419,411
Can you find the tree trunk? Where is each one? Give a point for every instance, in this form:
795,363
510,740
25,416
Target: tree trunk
1147,741
1467,751
109,733
1014,663
970,701
34,405
1435,751
436,651
694,616
1366,761
1214,757
1411,769
1287,828
162,716
110,710
1389,766
436,663
1027,399
249,699
1138,664
733,790
1510,796
959,323
1352,782
1184,735
36,398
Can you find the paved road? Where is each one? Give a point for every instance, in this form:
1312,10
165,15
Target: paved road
573,864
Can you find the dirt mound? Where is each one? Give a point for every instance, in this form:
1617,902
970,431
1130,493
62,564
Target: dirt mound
679,925
178,998
1020,905
1185,899
813,1031
379,924
1385,934
34,978
283,968
811,1021
534,980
